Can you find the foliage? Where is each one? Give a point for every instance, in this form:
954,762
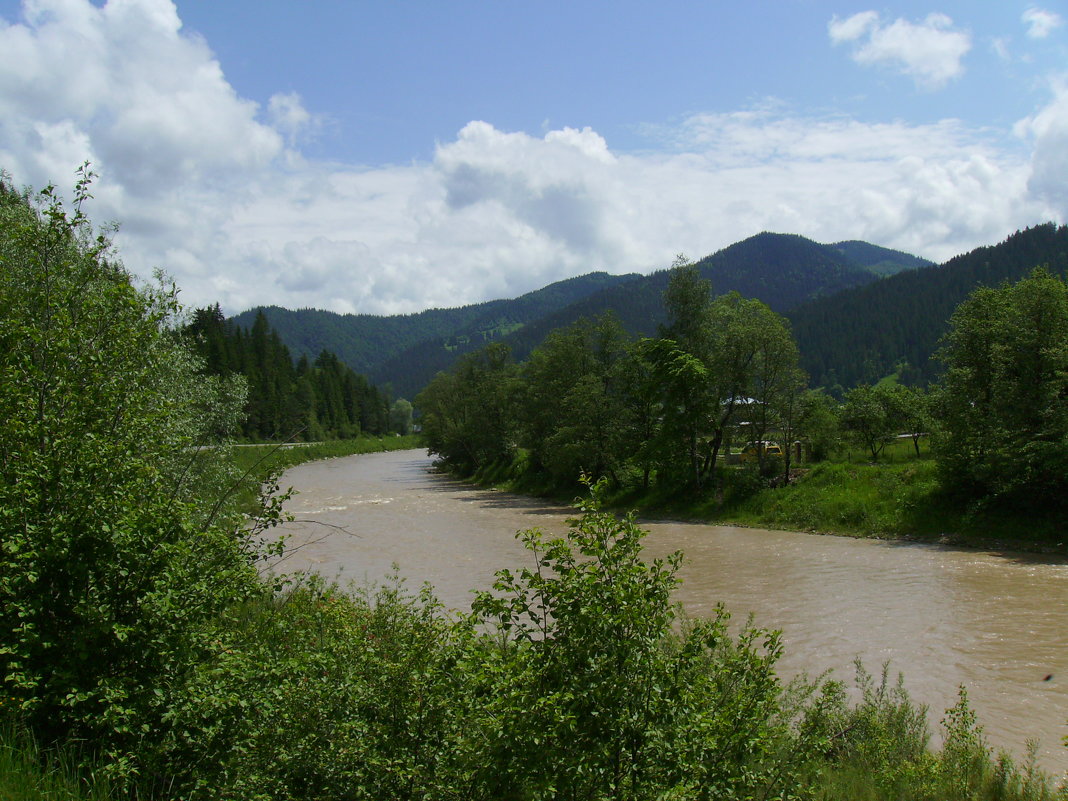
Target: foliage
118,530
870,416
818,424
400,417
1004,400
591,694
467,416
30,773
570,410
309,401
321,693
721,363
880,752
863,333
408,350
870,500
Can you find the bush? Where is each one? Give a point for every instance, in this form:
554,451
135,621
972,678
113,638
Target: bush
117,539
590,692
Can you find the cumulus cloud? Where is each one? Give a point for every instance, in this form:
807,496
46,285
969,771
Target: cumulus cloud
1049,161
929,51
212,187
1040,22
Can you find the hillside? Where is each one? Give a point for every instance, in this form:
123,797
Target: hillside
878,260
863,333
364,341
782,270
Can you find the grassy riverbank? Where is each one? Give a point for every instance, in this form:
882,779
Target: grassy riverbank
898,498
267,457
260,461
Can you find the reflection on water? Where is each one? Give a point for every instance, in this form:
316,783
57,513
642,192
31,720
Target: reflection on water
944,617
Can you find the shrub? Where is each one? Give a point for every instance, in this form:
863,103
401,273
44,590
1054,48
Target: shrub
117,539
590,692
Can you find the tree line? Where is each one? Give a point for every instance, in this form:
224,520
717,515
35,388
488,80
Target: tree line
592,400
724,371
304,400
861,334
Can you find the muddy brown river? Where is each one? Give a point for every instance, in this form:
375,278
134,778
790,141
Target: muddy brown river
994,622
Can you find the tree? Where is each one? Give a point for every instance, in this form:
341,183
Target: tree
118,539
715,357
818,426
468,416
794,405
682,358
400,416
570,405
592,692
870,415
1003,403
912,410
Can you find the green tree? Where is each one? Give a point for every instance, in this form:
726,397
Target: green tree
590,692
400,416
911,408
468,415
570,403
682,359
871,416
818,426
118,543
1003,403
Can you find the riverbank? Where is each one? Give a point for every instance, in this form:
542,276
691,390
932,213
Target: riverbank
892,501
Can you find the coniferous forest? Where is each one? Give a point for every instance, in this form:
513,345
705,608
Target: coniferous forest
308,400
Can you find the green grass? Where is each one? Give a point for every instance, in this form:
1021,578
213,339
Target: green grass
261,459
29,773
859,499
898,497
891,500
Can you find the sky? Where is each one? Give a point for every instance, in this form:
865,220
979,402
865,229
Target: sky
395,155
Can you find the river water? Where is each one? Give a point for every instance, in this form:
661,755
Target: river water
995,622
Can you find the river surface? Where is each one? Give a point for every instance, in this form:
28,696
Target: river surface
995,622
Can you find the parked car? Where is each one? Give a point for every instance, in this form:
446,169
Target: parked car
752,450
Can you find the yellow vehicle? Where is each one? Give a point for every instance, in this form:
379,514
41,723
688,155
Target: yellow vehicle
752,450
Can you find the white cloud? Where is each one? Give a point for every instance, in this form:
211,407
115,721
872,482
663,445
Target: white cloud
151,103
206,186
929,52
1040,22
851,28
289,116
1000,46
1048,129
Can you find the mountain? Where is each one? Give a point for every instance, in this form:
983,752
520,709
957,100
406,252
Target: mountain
878,260
406,351
864,333
364,341
782,270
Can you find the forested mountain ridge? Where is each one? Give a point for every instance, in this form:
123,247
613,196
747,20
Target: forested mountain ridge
782,270
878,260
864,333
364,341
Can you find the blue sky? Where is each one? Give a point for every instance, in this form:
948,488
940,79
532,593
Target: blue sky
390,156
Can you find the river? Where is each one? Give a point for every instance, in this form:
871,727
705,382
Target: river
995,622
